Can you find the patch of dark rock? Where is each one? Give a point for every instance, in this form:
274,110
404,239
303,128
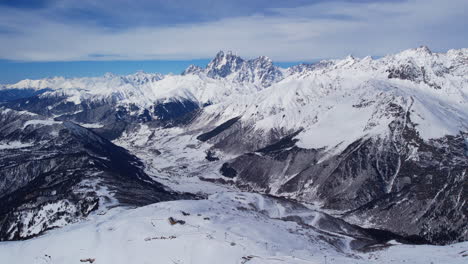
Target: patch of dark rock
173,110
39,105
160,238
145,116
286,142
112,131
174,221
217,180
155,152
383,236
208,135
211,156
90,260
228,171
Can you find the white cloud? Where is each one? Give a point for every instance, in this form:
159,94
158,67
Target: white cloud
292,34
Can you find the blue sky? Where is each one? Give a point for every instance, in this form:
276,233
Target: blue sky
14,71
42,38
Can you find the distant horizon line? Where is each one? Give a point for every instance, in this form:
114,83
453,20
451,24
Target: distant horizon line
13,71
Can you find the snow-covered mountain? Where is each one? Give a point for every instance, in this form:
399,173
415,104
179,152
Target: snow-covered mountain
259,71
229,79
381,144
358,135
54,173
225,75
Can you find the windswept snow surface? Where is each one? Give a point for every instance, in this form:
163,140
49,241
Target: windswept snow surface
217,230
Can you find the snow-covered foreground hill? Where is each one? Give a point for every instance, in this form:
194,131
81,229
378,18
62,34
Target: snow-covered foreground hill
227,228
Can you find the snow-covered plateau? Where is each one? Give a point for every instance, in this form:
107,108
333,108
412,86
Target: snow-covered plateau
357,160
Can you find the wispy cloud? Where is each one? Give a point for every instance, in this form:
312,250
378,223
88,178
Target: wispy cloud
285,33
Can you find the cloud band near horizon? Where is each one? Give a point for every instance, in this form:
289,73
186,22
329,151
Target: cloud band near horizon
294,30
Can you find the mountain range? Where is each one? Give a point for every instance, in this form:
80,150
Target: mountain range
378,146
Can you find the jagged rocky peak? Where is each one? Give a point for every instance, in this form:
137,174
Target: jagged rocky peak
260,70
307,67
109,75
141,77
263,61
224,64
192,69
263,70
300,68
421,65
458,53
422,50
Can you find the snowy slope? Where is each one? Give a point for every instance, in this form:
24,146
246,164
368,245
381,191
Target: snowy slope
219,230
359,135
54,173
348,99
